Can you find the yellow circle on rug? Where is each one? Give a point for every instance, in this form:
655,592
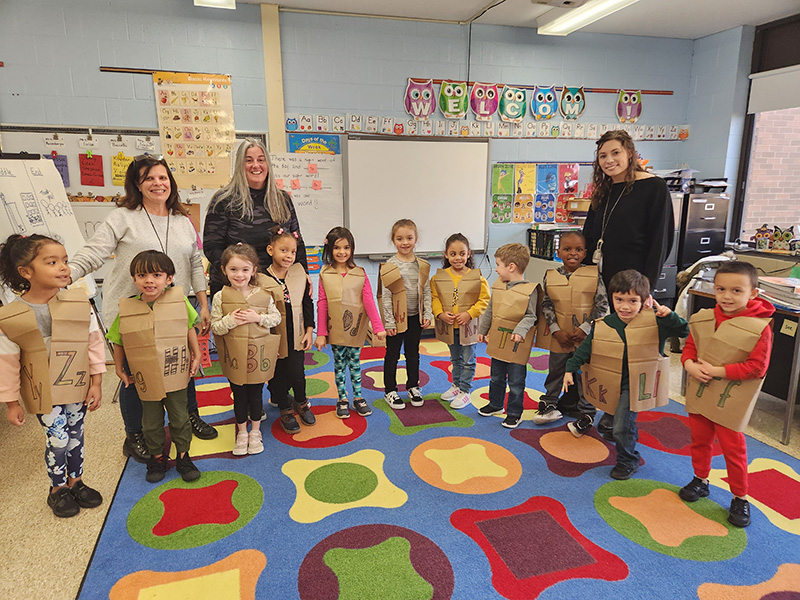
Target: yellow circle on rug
465,465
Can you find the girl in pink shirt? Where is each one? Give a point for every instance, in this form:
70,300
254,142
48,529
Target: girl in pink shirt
344,322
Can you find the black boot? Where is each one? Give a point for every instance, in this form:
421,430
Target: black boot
200,428
135,447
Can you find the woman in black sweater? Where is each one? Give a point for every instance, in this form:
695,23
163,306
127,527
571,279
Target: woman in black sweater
630,221
245,210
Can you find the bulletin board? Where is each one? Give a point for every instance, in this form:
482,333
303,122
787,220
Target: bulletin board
442,185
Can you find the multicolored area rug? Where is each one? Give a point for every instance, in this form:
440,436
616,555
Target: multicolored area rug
433,503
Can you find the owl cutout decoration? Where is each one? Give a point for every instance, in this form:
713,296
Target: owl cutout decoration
572,103
629,106
453,99
512,104
543,103
483,101
781,238
419,101
763,238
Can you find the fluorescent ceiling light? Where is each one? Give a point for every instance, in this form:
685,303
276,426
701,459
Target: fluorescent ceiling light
216,3
569,20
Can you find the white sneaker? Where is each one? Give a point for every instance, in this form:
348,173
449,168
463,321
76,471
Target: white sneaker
546,414
415,396
451,393
254,443
240,447
460,401
393,400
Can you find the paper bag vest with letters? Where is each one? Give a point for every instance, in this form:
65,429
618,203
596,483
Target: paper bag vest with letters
296,284
457,299
248,352
60,376
508,308
156,343
648,371
347,318
389,277
724,401
573,300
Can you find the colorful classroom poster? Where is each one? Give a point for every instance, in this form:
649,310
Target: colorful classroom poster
501,208
60,162
544,208
562,211
568,178
91,167
314,143
502,178
525,178
523,208
547,178
119,166
195,123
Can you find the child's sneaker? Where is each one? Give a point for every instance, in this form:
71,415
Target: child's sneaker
362,408
393,400
511,422
156,469
85,496
488,410
739,514
415,396
694,490
460,400
623,472
288,422
547,413
451,393
63,503
343,409
581,426
254,443
185,467
240,446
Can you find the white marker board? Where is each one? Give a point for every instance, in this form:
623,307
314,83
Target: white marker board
442,185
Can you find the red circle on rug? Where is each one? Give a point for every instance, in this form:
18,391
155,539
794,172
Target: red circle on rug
327,432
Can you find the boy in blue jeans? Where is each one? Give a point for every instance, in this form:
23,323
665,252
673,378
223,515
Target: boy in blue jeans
507,327
630,292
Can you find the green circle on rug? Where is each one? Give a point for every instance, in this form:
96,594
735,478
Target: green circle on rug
315,387
651,514
340,483
315,359
178,515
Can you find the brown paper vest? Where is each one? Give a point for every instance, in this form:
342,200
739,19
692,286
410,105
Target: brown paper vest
390,278
573,300
727,402
468,293
62,377
508,308
347,319
296,284
648,371
156,342
247,353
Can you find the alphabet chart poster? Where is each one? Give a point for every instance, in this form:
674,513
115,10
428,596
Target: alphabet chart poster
195,123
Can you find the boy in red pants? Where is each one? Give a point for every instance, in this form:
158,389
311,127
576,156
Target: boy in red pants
739,328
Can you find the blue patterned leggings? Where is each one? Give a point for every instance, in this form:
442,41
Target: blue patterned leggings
344,357
63,455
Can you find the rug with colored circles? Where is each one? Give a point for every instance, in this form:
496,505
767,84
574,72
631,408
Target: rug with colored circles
434,503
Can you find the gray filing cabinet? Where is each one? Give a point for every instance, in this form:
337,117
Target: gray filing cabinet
702,227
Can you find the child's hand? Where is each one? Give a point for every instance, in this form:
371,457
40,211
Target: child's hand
697,370
447,317
15,414
320,342
124,377
248,315
426,323
381,336
578,335
482,339
517,338
661,310
712,370
563,338
391,332
195,366
568,381
94,397
648,303
306,341
463,318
